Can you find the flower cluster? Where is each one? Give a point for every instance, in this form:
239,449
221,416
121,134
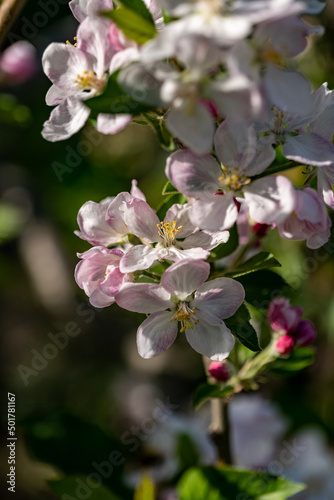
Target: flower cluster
216,76
286,321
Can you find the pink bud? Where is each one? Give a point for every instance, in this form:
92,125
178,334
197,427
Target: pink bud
305,333
285,344
219,370
282,316
18,61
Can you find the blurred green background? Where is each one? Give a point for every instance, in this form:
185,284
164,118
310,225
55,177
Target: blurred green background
73,410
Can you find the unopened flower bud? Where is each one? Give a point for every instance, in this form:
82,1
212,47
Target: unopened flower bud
282,316
304,334
219,370
18,61
285,344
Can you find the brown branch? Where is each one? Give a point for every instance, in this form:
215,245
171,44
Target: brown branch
219,428
9,11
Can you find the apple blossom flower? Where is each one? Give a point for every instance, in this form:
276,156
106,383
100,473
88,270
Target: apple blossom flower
175,238
79,73
102,223
216,188
282,316
18,62
291,107
309,220
184,298
98,274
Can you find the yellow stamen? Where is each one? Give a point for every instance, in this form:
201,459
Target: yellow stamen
69,43
168,232
89,81
184,316
233,179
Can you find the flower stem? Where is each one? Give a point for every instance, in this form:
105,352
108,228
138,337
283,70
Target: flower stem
9,10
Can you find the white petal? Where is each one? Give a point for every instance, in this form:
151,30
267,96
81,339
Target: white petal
65,120
137,258
112,124
309,149
193,125
156,334
143,298
206,239
215,342
270,200
220,297
184,277
217,213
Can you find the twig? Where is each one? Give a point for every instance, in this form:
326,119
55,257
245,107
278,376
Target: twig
9,10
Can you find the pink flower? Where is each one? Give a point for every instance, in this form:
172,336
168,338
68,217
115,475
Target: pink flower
184,299
216,186
282,316
102,223
309,221
174,238
219,370
99,276
285,344
19,61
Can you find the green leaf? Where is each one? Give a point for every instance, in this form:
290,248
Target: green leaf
169,189
164,137
115,100
300,358
263,260
208,391
218,483
240,327
134,25
227,248
71,488
137,6
263,287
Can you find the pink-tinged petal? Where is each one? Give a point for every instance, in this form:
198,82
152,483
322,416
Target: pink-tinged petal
95,228
19,61
114,215
206,239
56,95
220,297
83,8
112,124
323,125
193,124
113,282
63,63
325,182
235,143
308,206
94,265
191,174
123,58
216,213
270,200
137,258
144,298
174,254
93,39
180,214
184,277
290,91
136,192
156,334
309,149
141,220
99,299
65,120
214,341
